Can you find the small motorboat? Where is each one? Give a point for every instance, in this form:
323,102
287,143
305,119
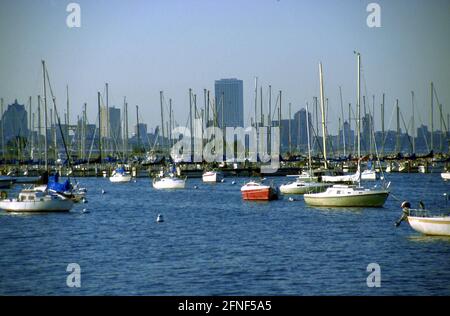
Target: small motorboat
120,176
422,222
258,192
169,182
212,176
36,201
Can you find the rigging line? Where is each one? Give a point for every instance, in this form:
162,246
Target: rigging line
389,125
423,133
440,112
59,121
92,142
406,130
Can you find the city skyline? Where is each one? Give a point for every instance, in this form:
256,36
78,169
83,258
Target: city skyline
171,52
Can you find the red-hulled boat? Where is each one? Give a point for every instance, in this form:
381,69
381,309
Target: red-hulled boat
258,192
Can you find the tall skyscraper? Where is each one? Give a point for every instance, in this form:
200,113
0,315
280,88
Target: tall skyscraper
15,121
111,123
229,102
299,129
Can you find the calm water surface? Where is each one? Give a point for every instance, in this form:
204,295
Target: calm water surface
214,243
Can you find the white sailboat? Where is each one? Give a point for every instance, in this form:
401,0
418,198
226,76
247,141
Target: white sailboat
305,182
422,222
168,181
35,201
119,175
349,195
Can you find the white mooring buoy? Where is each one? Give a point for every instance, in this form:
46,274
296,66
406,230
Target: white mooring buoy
159,219
291,199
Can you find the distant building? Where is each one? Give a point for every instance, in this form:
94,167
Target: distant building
141,131
15,121
366,133
300,131
229,102
110,121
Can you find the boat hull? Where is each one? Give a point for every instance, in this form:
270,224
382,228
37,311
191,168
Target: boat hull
212,177
265,194
36,206
445,175
358,200
434,226
294,188
120,179
174,184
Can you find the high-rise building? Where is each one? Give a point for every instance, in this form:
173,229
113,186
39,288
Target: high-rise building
141,130
115,130
15,122
110,121
229,102
299,129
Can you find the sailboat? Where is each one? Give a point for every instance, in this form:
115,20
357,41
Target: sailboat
305,183
119,175
168,181
349,195
36,201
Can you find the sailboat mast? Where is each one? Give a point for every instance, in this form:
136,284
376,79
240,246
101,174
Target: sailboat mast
45,118
39,130
99,128
358,107
261,105
413,123
342,114
30,130
256,102
83,132
108,133
289,122
309,142
162,117
322,108
397,147
137,128
3,138
190,122
170,123
431,117
126,129
382,126
68,120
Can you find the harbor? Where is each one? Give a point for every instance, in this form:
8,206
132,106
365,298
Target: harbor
231,149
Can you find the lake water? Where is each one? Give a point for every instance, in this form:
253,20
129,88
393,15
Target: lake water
214,243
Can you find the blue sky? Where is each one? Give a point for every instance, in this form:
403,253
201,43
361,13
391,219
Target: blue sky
142,47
